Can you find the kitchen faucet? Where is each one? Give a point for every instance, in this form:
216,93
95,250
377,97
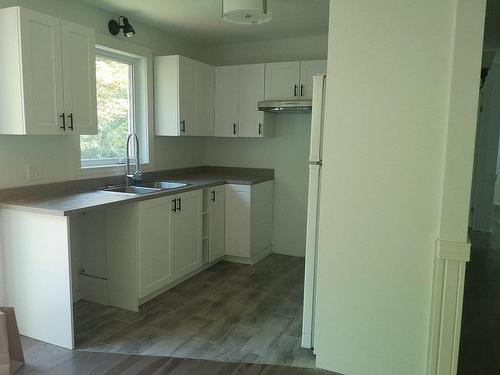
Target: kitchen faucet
133,178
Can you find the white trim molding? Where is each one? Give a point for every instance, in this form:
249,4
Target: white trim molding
447,300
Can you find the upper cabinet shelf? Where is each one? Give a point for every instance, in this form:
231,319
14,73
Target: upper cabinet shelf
47,75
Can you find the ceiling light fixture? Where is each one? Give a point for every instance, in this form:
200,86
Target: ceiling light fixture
246,12
114,27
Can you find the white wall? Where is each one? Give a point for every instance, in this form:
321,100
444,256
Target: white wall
54,154
288,154
385,143
306,48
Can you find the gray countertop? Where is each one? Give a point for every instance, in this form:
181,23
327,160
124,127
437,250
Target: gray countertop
65,204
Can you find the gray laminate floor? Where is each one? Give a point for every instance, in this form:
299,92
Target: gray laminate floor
229,312
43,358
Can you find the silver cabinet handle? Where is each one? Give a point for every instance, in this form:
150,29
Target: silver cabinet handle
183,126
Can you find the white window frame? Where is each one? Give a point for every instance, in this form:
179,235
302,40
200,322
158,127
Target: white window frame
139,114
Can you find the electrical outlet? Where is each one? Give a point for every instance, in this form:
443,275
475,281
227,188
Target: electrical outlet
33,173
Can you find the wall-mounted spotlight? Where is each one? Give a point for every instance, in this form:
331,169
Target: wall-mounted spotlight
114,27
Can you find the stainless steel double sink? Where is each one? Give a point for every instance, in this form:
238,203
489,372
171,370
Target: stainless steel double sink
145,188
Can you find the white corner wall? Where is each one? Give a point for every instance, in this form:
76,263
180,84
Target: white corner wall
382,193
288,154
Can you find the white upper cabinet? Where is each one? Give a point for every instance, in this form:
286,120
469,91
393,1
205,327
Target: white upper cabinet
238,89
204,99
282,80
308,69
187,96
79,77
226,100
47,73
183,97
41,50
292,80
251,120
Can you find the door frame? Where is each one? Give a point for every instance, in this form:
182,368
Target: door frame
452,247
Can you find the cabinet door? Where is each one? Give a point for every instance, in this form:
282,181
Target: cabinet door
237,202
78,46
282,81
308,69
226,101
204,99
186,229
42,72
187,96
216,223
166,87
251,120
155,241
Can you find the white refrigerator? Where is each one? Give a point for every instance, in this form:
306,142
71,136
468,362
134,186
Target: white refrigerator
313,204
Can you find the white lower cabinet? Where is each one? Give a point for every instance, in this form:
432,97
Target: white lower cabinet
155,221
169,239
155,244
216,214
248,221
186,232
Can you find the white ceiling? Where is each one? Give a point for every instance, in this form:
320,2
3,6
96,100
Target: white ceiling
201,20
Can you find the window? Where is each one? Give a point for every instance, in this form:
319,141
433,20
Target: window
120,105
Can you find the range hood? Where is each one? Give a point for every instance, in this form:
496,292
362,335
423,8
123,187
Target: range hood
285,106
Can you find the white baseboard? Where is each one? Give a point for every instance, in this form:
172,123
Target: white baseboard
252,260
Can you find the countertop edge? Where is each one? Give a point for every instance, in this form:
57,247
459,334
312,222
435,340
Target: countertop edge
126,199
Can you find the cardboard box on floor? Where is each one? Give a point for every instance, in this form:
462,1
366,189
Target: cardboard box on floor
11,351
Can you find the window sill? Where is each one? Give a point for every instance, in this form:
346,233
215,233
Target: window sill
106,170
